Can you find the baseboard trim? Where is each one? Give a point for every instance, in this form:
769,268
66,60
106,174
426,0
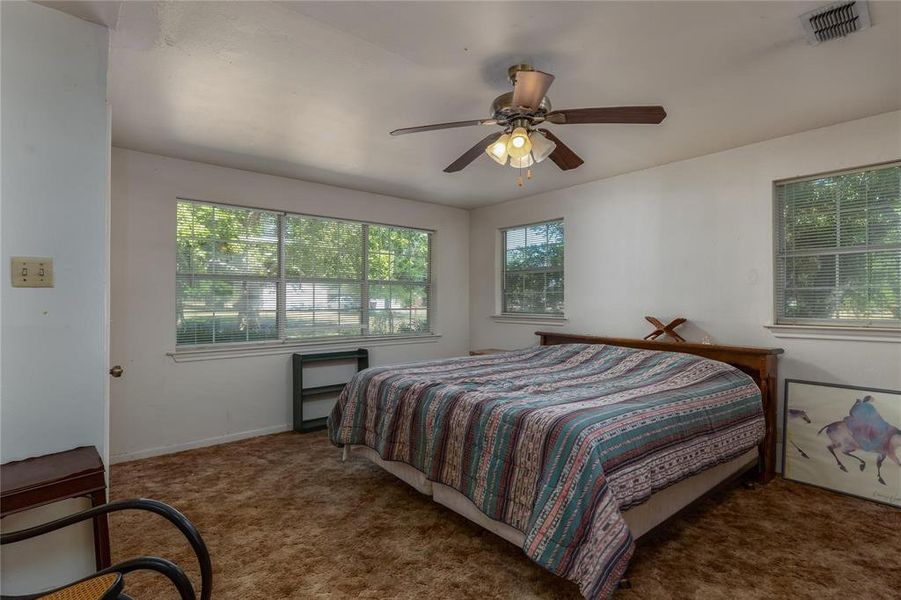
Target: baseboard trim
213,441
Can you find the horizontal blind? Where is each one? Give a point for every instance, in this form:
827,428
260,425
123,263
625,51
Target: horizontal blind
838,255
249,275
533,269
323,277
227,274
399,283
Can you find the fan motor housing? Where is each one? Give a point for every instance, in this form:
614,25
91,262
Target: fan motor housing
503,111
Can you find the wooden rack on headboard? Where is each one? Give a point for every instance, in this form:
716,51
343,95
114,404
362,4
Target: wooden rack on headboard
759,363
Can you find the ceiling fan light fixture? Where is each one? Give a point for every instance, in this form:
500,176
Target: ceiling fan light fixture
541,147
497,150
523,162
519,144
519,111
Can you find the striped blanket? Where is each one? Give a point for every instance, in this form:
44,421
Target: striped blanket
557,440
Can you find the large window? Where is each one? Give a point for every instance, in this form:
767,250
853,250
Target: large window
249,275
533,269
838,249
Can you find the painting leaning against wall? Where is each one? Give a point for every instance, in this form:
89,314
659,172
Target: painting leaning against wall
844,438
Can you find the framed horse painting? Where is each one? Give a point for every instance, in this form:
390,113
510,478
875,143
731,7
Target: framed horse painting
843,438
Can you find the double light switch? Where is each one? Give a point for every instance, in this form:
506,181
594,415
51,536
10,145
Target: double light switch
29,271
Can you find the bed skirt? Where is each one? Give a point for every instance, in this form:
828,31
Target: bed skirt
640,519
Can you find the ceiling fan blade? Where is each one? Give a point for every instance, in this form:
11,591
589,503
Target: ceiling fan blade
610,114
437,126
471,154
562,156
530,88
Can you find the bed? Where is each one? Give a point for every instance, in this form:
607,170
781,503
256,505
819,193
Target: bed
572,449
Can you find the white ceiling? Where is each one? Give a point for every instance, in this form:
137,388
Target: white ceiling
311,89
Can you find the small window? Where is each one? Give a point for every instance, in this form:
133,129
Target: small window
533,269
838,249
248,275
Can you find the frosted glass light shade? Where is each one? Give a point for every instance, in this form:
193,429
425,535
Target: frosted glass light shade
497,150
519,144
541,147
523,162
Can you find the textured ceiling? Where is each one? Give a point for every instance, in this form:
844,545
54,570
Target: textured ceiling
311,89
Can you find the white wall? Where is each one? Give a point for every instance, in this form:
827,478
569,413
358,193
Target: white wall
693,239
55,199
160,405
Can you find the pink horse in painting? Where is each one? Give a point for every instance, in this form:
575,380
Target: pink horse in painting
864,429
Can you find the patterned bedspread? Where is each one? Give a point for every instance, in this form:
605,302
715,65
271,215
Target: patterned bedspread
557,440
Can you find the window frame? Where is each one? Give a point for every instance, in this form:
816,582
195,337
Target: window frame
504,315
811,327
282,342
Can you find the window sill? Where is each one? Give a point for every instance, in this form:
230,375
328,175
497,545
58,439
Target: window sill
837,332
290,347
530,319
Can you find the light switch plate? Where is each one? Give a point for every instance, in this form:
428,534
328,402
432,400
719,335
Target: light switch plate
31,271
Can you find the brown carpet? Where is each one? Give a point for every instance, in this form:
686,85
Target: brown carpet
284,518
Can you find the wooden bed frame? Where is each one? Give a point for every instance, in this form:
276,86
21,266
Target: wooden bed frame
759,363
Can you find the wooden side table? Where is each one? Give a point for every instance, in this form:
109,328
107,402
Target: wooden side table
485,351
41,480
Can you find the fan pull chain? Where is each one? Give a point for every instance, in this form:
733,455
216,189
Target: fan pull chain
519,180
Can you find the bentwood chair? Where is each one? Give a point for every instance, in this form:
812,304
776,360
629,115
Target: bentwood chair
109,583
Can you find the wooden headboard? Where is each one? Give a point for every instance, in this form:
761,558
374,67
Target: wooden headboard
759,363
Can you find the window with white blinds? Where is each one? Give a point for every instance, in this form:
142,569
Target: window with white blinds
398,280
838,249
249,275
227,274
533,269
323,277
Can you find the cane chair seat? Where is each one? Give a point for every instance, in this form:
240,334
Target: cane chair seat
95,588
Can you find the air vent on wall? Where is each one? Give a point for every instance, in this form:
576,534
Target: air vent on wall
835,20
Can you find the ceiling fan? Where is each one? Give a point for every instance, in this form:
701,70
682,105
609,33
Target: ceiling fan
519,112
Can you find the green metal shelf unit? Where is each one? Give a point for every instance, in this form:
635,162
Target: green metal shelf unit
301,393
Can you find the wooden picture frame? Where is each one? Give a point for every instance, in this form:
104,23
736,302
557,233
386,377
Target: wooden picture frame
843,438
